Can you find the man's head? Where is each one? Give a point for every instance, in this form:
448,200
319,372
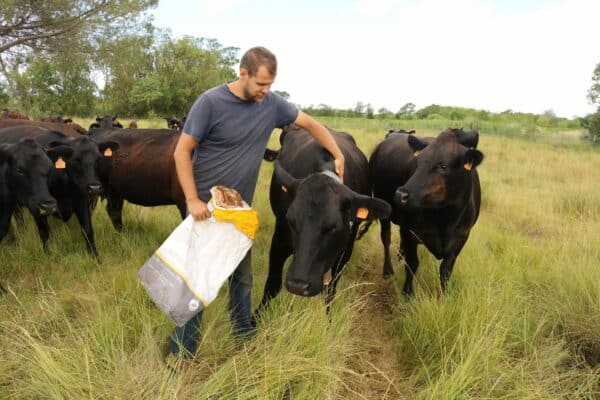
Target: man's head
258,68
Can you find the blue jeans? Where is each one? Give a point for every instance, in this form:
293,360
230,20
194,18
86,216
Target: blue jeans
185,338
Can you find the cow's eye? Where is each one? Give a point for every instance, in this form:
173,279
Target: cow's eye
328,229
442,166
20,171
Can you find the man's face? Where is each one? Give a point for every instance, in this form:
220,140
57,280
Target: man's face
257,86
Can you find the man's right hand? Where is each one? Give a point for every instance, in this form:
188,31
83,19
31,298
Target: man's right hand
198,209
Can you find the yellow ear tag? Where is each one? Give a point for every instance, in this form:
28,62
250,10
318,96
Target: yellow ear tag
417,152
362,213
283,188
327,277
468,166
107,152
60,163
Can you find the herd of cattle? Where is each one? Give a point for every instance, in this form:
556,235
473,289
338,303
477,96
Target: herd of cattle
428,186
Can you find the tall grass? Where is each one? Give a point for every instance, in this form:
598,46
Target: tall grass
521,319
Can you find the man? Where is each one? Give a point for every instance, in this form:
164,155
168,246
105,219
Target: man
222,143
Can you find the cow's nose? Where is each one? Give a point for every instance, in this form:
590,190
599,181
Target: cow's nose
47,207
401,197
298,287
94,188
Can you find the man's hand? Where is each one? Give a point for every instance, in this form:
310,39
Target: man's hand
198,209
338,164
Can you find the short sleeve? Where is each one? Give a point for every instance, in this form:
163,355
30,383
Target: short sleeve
199,119
286,111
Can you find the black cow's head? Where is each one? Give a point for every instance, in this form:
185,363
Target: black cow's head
26,167
173,123
443,170
81,166
319,218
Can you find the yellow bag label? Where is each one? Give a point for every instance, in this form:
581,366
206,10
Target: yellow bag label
246,221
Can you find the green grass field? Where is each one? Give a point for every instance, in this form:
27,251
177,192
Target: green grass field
521,319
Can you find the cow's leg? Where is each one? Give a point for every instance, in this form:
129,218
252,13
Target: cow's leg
43,230
82,210
446,270
386,234
114,208
409,250
281,249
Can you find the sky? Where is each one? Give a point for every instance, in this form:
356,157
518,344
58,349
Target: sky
524,55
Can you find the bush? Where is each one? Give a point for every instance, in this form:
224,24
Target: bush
592,124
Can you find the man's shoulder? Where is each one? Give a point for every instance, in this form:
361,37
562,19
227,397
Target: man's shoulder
215,92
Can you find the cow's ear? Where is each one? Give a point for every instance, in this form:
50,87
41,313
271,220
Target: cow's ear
472,158
416,144
288,182
107,148
98,119
365,208
63,152
468,138
412,132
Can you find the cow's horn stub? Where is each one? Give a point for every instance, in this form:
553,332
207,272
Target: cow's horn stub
60,163
327,277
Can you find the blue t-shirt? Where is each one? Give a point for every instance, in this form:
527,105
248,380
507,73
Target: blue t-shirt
232,135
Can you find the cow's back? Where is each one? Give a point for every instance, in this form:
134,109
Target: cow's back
67,129
390,166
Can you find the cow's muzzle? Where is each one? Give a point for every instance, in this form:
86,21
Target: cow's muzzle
301,287
95,188
401,197
47,207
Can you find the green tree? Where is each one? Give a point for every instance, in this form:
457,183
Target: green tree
408,108
178,71
67,30
594,92
283,94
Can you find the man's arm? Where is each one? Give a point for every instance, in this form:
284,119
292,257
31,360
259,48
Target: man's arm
322,135
183,164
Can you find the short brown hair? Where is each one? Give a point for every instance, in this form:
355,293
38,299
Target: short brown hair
257,56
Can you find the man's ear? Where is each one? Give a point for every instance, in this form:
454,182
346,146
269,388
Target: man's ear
287,182
472,158
365,208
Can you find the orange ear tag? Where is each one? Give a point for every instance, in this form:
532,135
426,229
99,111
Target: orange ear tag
468,166
362,213
417,152
60,163
283,188
107,152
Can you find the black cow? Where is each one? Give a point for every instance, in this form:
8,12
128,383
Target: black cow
70,129
174,123
394,132
24,170
143,172
105,122
317,217
74,182
434,191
